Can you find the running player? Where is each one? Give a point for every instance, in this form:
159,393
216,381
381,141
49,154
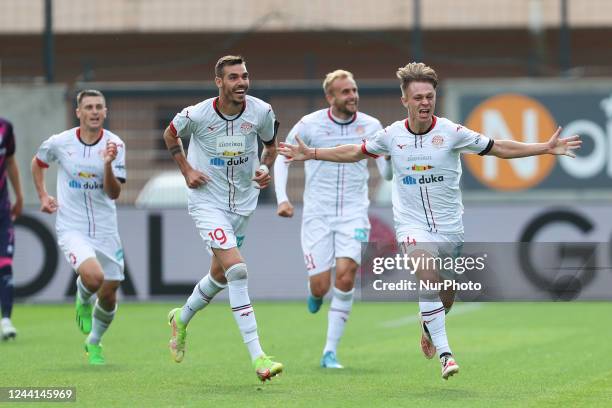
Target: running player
335,216
91,164
427,204
224,175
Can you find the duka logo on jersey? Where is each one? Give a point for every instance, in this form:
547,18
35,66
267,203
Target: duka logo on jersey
409,180
233,161
511,117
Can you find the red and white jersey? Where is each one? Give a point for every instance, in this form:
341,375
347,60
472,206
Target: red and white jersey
226,150
427,170
338,189
82,203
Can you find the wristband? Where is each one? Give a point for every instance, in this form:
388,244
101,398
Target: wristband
264,168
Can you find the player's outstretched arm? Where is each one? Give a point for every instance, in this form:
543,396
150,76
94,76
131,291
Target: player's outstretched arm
510,149
194,178
348,153
48,204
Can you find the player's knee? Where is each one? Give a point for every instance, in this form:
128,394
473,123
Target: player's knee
319,287
345,282
236,272
92,281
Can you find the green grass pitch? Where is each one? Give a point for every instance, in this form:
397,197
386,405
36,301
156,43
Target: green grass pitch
511,354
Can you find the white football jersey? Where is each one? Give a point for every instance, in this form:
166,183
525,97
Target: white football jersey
427,169
226,150
82,203
338,189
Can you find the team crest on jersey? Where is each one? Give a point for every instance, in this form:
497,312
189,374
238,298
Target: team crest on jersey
360,130
437,140
246,128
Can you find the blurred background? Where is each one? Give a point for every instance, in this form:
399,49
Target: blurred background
513,69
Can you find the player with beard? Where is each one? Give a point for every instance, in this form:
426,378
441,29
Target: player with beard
335,217
224,175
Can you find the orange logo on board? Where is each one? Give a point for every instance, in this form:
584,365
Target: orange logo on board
512,117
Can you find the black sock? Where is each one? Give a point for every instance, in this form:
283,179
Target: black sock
6,290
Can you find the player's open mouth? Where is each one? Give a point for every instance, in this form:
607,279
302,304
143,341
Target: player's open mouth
240,91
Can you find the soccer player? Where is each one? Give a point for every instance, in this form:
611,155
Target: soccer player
8,165
427,204
335,218
224,175
91,164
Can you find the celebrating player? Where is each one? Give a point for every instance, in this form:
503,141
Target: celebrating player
8,166
335,218
426,147
91,163
224,176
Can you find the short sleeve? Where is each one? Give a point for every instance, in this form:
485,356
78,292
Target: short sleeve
47,152
119,163
373,129
182,124
377,144
268,127
299,129
469,141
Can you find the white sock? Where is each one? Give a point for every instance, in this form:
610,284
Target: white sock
244,315
101,320
83,293
203,292
434,318
339,310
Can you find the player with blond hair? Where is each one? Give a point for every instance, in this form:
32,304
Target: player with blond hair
335,217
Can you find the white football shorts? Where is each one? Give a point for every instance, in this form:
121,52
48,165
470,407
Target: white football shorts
325,238
435,243
219,228
78,247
